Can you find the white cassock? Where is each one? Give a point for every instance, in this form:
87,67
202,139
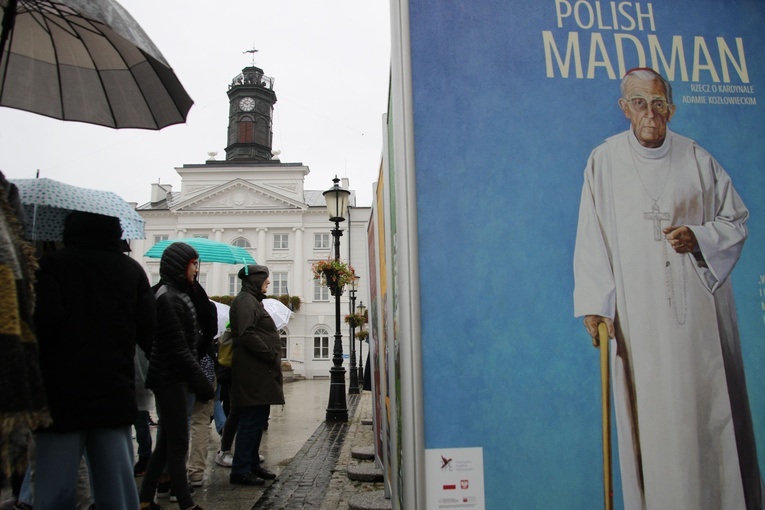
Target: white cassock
682,412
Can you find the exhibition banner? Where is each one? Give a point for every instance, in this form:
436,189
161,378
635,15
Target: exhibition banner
541,192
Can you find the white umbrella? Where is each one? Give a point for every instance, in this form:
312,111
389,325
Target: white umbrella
278,312
222,317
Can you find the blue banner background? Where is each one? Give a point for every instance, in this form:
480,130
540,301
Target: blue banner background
500,153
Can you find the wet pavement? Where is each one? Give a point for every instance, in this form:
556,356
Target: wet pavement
298,446
309,456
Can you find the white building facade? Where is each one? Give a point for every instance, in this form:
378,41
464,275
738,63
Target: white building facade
261,205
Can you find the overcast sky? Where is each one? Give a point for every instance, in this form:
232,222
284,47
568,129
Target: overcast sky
330,62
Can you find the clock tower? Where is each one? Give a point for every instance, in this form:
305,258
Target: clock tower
250,116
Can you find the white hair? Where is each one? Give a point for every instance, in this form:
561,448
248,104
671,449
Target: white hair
647,74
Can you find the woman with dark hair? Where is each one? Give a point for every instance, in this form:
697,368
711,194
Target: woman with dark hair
174,371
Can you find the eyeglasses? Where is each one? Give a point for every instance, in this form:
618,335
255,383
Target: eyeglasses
196,264
639,104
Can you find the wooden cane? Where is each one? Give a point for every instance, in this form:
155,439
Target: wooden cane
605,396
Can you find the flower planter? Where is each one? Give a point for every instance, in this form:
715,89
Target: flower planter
335,274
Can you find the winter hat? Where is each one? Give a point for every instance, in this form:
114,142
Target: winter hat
254,270
90,229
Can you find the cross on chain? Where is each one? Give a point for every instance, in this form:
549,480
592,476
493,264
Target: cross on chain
657,217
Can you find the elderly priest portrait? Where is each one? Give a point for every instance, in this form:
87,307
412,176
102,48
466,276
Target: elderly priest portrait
660,229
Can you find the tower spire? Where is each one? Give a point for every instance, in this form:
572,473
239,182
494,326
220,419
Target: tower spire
253,51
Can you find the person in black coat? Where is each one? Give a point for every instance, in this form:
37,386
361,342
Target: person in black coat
174,371
94,304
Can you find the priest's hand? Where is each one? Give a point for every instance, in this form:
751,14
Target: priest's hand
591,323
681,239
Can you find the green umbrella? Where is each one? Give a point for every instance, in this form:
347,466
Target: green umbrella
209,251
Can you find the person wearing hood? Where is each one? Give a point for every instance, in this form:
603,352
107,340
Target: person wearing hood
94,304
256,374
174,371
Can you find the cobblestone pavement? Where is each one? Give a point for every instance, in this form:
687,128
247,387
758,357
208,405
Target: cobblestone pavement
358,434
304,482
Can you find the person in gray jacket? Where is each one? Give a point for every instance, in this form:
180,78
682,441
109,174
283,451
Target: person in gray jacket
256,374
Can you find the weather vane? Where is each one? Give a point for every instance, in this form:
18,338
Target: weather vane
253,51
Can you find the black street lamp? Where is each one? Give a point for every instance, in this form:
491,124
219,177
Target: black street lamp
337,410
353,388
361,309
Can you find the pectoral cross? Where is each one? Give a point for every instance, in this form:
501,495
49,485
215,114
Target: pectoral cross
657,217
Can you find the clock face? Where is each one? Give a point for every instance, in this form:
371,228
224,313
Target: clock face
246,104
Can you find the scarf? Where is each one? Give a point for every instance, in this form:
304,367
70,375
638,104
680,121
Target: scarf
22,399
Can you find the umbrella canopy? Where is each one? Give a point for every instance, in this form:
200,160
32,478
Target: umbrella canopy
278,312
209,251
86,61
222,317
47,203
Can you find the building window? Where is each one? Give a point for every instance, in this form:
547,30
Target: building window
161,237
281,241
283,339
320,292
154,279
321,344
321,241
279,284
202,279
246,131
201,236
234,285
241,242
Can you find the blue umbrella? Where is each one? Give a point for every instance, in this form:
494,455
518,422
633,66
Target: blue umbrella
209,251
47,203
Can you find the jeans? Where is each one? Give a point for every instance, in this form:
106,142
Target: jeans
218,414
172,446
229,430
109,453
25,495
252,420
142,434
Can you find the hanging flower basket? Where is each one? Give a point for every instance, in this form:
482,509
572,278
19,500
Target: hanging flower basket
362,335
335,274
355,320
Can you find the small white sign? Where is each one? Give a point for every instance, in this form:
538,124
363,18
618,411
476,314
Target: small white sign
454,478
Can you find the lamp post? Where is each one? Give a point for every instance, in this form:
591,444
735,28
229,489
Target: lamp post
337,410
353,387
361,309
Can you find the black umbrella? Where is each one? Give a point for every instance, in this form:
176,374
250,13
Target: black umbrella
86,61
